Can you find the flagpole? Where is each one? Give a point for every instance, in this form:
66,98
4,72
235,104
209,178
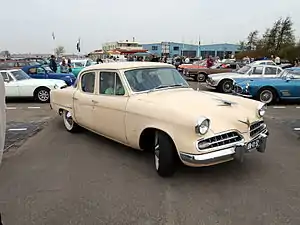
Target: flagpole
199,53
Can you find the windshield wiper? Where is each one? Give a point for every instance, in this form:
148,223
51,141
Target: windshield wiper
167,86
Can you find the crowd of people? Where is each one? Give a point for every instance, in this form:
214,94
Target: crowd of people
65,65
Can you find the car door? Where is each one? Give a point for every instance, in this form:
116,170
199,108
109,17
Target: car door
270,71
256,71
11,86
290,87
110,106
83,103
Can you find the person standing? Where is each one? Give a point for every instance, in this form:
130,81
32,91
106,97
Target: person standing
277,60
53,64
69,65
64,67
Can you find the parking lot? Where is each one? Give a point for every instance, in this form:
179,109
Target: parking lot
55,177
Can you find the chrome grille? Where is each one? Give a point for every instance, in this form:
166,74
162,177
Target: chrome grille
238,89
219,140
257,128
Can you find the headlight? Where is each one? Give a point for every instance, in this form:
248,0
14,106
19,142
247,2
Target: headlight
55,86
261,110
202,126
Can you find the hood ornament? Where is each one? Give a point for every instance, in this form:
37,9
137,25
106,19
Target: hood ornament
247,122
225,102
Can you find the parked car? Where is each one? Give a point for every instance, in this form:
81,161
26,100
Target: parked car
223,82
194,65
44,72
2,117
284,87
16,64
39,60
201,74
18,84
144,105
78,65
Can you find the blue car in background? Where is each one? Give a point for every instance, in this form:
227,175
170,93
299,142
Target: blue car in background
44,72
284,87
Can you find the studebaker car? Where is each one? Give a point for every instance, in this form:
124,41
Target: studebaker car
44,72
2,117
18,84
285,87
223,82
201,74
144,105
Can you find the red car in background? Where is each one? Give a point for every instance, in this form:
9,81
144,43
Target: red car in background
16,64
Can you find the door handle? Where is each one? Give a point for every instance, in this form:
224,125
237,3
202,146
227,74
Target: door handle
75,98
93,101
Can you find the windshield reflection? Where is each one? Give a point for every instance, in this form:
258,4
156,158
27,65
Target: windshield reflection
20,75
155,78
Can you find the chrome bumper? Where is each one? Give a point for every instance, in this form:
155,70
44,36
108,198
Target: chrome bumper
243,95
233,153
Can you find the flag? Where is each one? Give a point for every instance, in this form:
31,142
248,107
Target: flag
53,36
78,45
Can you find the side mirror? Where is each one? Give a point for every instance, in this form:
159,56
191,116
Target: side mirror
287,79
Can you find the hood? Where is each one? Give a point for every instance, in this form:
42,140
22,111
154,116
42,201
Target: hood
187,106
228,75
44,82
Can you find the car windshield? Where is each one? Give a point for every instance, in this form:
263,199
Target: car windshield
20,75
244,70
48,70
77,64
154,78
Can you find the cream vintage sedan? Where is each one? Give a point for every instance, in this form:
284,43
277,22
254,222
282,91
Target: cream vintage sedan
150,106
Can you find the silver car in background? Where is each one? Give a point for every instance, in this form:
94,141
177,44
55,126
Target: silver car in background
223,82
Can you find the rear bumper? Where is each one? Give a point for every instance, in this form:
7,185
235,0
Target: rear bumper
233,153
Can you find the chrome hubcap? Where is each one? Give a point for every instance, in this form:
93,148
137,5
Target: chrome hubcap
227,87
266,96
156,152
201,77
43,95
68,120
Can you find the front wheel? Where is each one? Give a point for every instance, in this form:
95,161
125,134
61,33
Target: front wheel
69,123
164,155
266,95
42,95
225,86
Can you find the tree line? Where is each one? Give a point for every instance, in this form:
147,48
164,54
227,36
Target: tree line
279,40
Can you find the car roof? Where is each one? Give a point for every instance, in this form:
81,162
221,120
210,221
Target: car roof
127,65
10,70
256,65
293,68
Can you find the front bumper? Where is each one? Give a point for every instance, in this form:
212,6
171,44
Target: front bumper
233,153
243,95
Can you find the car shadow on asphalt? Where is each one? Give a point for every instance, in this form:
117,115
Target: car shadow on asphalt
143,162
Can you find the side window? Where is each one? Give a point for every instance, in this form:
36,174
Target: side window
270,70
40,70
88,63
270,63
5,76
278,71
257,70
32,71
21,64
88,82
110,84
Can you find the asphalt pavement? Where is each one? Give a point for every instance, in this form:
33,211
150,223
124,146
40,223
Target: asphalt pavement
55,177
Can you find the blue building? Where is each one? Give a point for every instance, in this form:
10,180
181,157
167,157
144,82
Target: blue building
172,49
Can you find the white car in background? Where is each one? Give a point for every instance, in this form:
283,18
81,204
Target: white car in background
223,82
18,84
2,118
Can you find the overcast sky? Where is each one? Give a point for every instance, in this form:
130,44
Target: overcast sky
27,25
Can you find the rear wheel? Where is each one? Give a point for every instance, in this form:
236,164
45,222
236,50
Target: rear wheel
69,123
201,77
164,155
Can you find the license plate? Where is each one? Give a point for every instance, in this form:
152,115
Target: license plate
253,144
